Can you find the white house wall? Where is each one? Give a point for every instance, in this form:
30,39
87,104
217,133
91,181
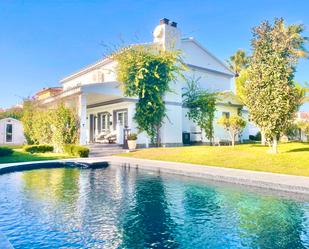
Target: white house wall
219,131
195,55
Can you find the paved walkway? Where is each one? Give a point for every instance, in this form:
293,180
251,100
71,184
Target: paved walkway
272,181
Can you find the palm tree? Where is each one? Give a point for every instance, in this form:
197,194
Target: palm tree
238,61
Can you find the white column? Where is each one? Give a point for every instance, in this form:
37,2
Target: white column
82,112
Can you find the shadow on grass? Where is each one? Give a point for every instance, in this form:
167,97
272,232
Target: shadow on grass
19,156
298,150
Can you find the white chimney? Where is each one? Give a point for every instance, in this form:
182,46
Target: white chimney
167,35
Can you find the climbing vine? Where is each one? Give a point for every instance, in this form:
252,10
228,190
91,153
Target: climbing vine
201,105
145,72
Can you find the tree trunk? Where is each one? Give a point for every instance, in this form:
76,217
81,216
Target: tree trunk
275,145
263,137
158,137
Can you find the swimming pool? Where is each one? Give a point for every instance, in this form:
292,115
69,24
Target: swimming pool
119,207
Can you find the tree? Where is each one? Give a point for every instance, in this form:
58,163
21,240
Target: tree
57,126
240,83
145,72
238,62
27,120
202,107
233,125
271,95
64,127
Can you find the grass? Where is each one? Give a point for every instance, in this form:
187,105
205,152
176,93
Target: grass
293,158
21,156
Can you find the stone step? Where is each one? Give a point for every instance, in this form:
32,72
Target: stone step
100,150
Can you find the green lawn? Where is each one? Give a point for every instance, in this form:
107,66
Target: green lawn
21,156
293,158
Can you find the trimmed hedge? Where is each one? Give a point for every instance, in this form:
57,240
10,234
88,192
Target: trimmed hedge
5,151
76,150
41,148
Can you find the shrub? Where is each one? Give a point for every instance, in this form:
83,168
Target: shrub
76,150
5,151
42,148
132,136
257,137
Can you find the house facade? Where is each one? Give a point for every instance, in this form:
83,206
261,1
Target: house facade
102,107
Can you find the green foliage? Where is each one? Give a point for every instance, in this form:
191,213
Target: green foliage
256,137
145,72
5,151
202,106
234,125
271,95
132,136
27,120
76,150
14,112
238,61
57,126
65,127
42,148
240,83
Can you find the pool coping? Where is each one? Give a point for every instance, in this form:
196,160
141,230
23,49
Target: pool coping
266,180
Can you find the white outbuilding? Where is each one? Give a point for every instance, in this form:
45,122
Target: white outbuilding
11,132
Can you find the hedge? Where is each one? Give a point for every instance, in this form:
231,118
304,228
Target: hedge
5,151
42,148
76,150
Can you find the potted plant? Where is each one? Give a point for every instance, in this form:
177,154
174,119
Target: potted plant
132,137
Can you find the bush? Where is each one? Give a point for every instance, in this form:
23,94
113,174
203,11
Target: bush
132,136
257,137
76,150
42,148
5,151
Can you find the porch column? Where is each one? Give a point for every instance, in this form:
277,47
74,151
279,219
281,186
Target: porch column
82,112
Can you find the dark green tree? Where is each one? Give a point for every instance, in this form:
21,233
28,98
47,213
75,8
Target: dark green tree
271,95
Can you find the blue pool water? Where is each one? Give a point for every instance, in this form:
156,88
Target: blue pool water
125,208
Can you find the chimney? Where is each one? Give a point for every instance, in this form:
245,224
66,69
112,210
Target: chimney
164,21
167,35
174,24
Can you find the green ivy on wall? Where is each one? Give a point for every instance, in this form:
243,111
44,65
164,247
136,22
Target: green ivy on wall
145,71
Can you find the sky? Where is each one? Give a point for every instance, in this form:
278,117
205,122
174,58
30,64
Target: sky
43,41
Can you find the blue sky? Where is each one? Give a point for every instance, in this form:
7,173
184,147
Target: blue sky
43,41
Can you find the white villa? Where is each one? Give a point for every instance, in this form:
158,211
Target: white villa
103,108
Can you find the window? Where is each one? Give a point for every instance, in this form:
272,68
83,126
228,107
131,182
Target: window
9,133
100,77
122,118
226,114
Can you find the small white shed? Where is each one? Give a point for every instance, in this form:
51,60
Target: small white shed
11,132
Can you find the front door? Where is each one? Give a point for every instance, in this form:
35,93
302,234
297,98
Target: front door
104,122
9,133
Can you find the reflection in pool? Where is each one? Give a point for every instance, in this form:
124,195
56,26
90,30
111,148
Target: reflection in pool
123,208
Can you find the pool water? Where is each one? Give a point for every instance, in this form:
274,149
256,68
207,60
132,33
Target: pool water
127,208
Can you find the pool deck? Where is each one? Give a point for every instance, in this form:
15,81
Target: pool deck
271,181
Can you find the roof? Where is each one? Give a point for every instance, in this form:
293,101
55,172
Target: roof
49,89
